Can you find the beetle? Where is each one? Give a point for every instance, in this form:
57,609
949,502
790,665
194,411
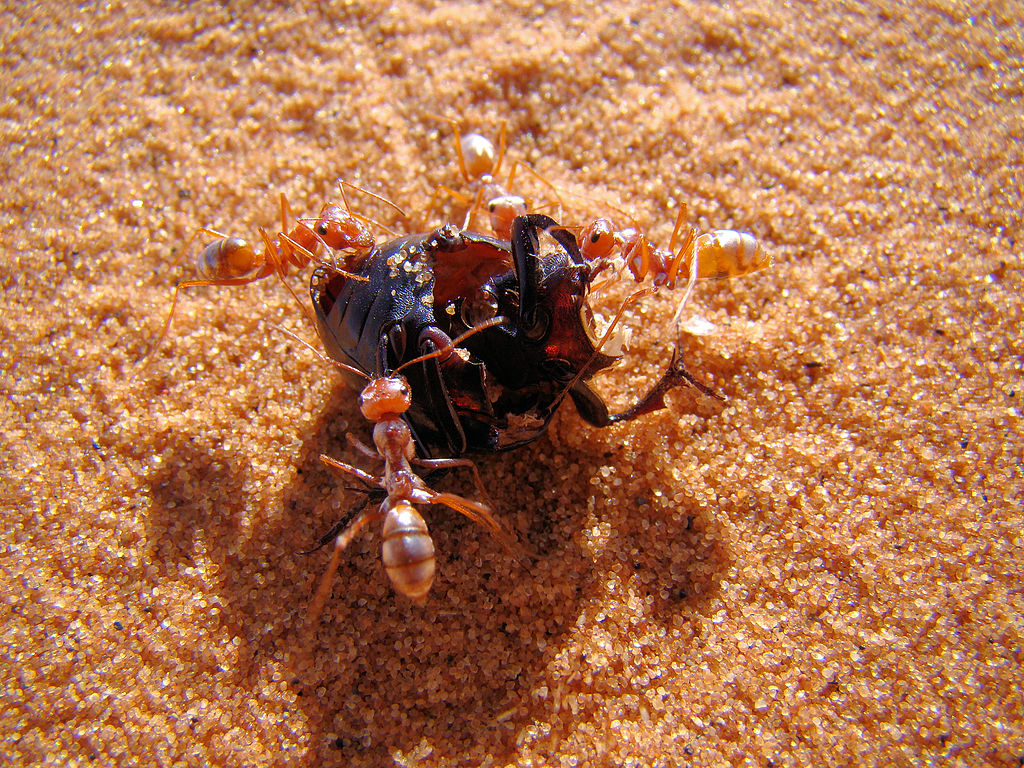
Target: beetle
389,319
500,388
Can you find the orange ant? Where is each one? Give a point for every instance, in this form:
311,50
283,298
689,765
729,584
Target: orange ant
231,260
721,253
407,550
480,163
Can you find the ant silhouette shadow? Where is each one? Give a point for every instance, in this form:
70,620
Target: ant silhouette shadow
459,673
383,675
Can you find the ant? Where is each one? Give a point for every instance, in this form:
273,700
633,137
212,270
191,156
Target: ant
721,253
231,260
480,163
407,550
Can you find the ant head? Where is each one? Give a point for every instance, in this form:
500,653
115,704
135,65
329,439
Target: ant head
598,240
504,210
381,397
340,230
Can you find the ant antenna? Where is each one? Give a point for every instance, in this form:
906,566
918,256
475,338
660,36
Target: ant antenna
454,342
318,353
362,374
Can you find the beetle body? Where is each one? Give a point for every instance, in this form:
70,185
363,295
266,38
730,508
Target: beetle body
500,388
377,324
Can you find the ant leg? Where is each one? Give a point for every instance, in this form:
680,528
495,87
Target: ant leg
551,187
475,511
185,284
451,463
438,190
687,254
275,265
345,538
370,480
683,208
144,362
501,151
477,200
286,213
340,525
458,145
174,302
362,447
631,299
691,280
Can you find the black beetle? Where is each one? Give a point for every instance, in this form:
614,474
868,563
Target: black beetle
501,387
378,324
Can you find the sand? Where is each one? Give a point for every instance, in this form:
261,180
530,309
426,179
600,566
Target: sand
824,571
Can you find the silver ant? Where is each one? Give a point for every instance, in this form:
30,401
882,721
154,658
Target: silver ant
719,254
229,260
407,550
480,164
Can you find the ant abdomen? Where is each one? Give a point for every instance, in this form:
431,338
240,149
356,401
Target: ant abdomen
408,552
725,253
227,258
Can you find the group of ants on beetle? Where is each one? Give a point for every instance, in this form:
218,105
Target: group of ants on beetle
463,342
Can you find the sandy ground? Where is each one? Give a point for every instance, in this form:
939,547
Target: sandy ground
825,571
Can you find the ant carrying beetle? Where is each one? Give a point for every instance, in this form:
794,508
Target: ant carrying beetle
721,253
506,381
229,260
494,386
407,550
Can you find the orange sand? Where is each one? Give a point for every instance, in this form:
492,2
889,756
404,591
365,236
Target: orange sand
826,572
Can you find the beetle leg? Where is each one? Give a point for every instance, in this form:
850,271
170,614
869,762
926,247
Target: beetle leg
435,406
594,410
675,376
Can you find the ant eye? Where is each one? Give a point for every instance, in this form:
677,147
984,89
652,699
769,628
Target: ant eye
595,236
491,207
321,229
404,390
